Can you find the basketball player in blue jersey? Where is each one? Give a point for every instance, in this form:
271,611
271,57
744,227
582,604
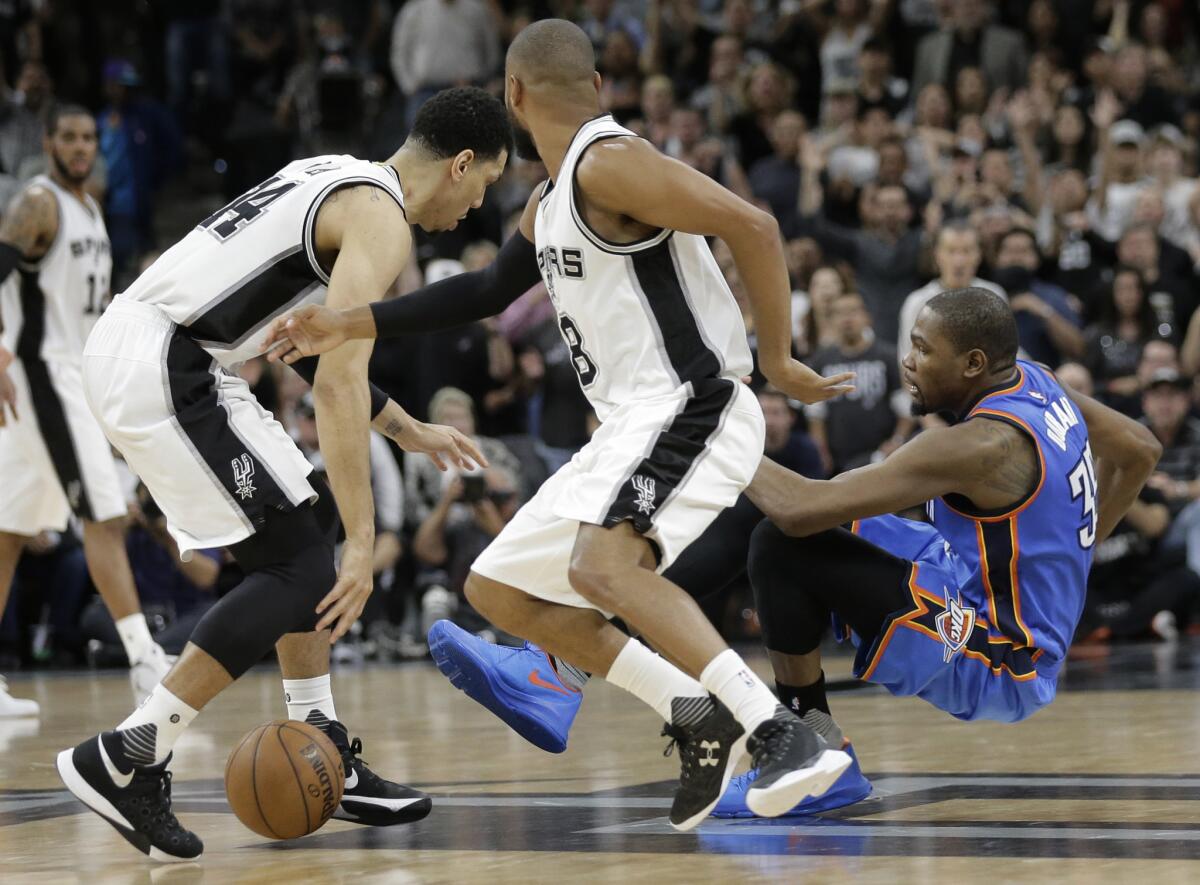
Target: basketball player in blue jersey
55,264
659,345
974,610
159,374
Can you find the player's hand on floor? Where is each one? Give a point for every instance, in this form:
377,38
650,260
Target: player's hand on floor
8,398
313,329
446,446
800,382
343,605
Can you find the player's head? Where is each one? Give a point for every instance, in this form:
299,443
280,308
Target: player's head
70,141
464,133
551,62
963,341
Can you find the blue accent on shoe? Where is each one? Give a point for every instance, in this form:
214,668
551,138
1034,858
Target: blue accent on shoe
851,787
517,684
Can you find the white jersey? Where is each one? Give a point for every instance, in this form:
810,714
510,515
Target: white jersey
49,306
255,259
642,319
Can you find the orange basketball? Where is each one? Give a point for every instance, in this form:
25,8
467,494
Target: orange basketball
284,779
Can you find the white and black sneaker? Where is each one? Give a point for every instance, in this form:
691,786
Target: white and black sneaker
136,800
793,762
369,799
709,751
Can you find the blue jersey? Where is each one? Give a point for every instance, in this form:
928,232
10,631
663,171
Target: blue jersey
1024,570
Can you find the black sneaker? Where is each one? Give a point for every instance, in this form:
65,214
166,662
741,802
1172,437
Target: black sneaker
137,802
793,762
708,753
368,798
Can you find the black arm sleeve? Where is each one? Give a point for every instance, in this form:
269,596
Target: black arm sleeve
464,298
306,368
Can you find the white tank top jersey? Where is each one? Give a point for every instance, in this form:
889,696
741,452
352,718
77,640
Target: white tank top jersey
642,319
50,306
254,259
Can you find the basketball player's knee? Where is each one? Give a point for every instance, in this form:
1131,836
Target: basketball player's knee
596,582
765,543
478,592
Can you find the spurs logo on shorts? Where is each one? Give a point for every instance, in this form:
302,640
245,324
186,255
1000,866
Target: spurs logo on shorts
644,486
243,475
954,625
710,748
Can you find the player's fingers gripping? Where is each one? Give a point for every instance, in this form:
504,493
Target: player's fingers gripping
275,340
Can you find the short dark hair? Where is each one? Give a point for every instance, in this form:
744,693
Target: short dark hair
1020,232
958,226
58,110
459,119
978,319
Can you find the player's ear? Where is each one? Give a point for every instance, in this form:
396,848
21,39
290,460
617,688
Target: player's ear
596,81
461,164
977,363
514,90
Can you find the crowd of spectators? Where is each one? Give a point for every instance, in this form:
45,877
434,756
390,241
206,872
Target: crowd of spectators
1043,149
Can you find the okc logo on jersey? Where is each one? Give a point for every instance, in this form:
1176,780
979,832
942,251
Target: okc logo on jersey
644,486
954,625
243,476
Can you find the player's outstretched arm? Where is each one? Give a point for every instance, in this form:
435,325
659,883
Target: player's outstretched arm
372,241
1125,453
937,462
442,305
628,176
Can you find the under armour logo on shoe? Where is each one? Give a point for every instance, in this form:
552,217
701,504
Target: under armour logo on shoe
644,486
710,748
243,475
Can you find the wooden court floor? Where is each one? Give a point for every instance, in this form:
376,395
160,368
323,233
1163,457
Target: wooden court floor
1104,786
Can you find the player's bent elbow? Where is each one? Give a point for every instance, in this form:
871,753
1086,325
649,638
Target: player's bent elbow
1145,449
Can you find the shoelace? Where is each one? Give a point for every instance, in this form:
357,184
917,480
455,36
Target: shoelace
677,736
158,786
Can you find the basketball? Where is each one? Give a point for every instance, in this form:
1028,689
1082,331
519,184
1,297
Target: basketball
284,779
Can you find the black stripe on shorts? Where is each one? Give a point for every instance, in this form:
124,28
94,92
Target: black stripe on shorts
48,409
673,455
206,423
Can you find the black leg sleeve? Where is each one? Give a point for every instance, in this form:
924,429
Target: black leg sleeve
718,557
289,568
798,582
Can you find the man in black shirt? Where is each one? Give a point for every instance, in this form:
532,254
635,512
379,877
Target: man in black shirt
871,418
785,445
1166,403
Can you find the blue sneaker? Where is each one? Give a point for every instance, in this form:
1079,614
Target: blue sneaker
851,787
519,685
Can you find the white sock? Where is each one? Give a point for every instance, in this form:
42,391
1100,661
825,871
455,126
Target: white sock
677,698
150,732
310,700
135,636
735,685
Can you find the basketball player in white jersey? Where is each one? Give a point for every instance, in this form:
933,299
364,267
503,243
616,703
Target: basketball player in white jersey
158,374
660,348
55,263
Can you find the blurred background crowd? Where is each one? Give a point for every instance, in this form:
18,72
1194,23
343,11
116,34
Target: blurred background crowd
1045,149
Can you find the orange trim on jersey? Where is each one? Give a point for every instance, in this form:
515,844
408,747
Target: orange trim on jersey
1016,386
1016,586
920,608
984,570
1041,472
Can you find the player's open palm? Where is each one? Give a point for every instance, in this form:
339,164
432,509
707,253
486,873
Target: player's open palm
444,445
8,398
800,382
343,605
309,331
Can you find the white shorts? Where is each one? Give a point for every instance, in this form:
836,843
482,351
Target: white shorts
54,460
212,458
669,466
